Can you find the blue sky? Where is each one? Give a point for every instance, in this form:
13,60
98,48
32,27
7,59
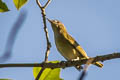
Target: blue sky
93,23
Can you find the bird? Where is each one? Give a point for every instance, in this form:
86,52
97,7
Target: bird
67,45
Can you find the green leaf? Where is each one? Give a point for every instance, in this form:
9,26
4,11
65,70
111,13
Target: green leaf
19,3
3,7
48,74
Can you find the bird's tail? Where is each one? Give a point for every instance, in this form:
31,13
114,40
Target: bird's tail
79,68
98,64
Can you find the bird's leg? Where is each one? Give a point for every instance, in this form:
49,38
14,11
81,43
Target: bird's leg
75,59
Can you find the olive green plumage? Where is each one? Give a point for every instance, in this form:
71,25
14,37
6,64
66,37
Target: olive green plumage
66,45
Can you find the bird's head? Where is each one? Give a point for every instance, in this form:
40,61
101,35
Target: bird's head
57,26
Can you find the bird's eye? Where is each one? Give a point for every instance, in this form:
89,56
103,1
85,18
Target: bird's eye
56,21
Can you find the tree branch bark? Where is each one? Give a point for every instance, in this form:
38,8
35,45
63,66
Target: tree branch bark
46,33
64,64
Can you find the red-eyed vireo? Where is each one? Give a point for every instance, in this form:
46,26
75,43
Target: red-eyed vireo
66,44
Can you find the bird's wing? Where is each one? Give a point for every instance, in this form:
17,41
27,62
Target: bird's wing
76,46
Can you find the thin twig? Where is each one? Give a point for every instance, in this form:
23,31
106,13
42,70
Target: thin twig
47,3
88,63
46,34
45,27
39,74
39,4
64,64
84,73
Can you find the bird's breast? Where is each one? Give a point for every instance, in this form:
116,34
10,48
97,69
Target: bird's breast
65,48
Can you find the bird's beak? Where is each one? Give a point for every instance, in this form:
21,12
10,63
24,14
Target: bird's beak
49,20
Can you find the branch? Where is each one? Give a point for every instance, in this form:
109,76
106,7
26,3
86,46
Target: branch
45,27
39,74
47,3
46,34
65,64
84,72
